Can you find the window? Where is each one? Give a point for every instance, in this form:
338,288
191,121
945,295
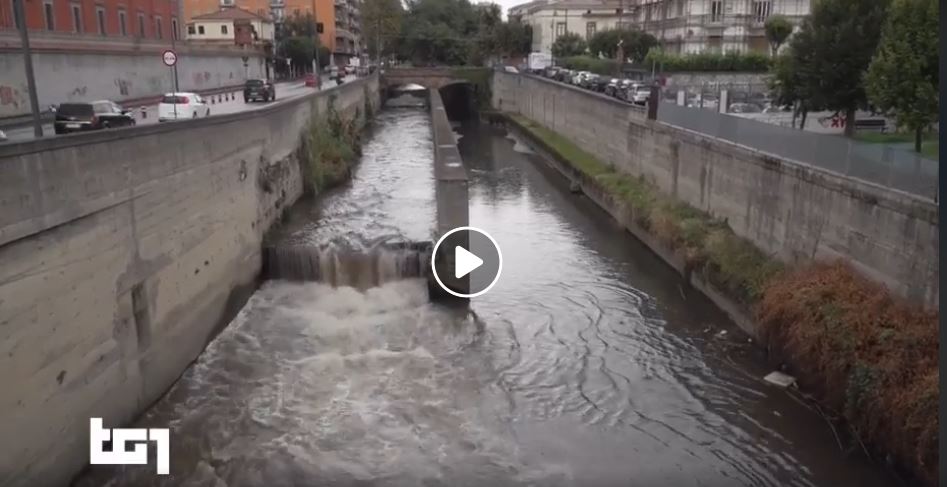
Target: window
680,8
48,14
200,29
761,10
191,30
141,25
174,29
121,23
100,19
223,29
77,18
560,29
159,32
589,30
716,10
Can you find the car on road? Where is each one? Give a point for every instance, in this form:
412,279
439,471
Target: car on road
96,115
611,87
258,89
182,106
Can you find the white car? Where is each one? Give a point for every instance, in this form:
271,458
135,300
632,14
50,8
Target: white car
182,106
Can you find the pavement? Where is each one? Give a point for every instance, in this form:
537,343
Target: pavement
284,91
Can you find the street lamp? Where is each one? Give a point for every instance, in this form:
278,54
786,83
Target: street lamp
28,64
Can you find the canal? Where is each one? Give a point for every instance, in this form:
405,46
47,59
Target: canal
586,365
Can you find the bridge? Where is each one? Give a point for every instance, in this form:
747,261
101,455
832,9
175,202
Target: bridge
428,77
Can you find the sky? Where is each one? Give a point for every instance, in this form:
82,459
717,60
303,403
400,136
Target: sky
505,4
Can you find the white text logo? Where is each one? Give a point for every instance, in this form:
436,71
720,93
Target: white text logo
98,436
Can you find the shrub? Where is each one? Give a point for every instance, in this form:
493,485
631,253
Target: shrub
709,61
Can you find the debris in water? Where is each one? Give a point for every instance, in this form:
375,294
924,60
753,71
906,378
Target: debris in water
721,334
780,379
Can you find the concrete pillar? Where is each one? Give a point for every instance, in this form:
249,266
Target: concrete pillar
722,107
681,98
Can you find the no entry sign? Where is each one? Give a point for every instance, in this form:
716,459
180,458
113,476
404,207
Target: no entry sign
169,58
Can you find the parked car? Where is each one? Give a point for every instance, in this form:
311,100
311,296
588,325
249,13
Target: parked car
175,106
551,72
621,92
564,75
639,94
579,77
745,108
258,89
510,69
611,87
97,115
600,83
589,81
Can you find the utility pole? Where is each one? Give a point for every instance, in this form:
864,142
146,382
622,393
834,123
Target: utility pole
174,35
28,64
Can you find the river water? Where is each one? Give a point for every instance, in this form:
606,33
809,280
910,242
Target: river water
586,365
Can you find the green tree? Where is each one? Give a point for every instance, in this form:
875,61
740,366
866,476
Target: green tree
381,22
778,29
568,44
438,31
842,36
635,43
903,76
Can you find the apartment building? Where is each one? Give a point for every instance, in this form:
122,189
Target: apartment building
348,30
684,26
131,19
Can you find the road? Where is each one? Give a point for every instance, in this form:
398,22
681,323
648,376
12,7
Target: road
218,106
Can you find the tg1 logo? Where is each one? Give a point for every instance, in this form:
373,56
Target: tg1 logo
120,436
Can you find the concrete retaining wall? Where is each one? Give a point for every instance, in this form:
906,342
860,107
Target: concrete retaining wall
84,76
121,254
787,208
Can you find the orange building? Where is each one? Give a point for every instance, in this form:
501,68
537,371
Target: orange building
274,9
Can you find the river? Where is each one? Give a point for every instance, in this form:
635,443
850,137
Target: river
586,365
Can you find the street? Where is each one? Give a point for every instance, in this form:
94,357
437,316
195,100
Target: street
284,91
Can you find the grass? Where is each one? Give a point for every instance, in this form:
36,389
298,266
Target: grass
929,142
708,245
328,149
868,356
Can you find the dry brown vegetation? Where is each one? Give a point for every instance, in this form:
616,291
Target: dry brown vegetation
866,355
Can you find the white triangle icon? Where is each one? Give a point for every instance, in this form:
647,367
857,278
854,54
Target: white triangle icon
465,262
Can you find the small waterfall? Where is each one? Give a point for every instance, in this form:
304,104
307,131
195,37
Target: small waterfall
341,267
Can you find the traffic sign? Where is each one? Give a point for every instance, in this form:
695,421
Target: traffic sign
169,58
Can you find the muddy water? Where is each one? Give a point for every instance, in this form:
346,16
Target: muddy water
586,365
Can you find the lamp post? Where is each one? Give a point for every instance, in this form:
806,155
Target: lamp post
28,64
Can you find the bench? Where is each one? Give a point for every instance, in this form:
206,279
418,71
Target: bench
878,124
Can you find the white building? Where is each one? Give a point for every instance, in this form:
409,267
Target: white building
231,25
685,26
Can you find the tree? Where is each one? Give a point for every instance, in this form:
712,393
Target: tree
438,31
842,36
569,44
635,43
381,22
903,76
778,29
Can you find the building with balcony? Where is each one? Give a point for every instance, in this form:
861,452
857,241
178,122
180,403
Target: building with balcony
275,10
684,26
348,30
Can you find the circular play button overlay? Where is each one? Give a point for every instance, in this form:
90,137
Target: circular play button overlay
466,262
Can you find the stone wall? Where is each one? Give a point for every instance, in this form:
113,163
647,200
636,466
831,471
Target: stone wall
122,253
787,208
86,76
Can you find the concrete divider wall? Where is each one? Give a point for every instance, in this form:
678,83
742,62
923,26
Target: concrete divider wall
787,208
86,76
121,254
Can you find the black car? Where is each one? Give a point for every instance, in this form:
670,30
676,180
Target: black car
258,89
78,117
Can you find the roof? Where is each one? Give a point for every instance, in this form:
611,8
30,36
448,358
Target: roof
232,13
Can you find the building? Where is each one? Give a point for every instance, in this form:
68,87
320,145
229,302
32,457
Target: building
683,26
275,10
689,26
348,29
133,19
232,25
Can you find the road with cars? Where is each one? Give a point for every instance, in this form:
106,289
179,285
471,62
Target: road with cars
220,104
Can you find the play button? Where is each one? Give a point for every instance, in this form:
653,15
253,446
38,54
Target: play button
466,262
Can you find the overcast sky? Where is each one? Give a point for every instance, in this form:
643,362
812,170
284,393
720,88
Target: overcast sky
505,4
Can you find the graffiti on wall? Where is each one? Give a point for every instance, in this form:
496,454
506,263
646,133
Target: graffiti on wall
124,86
78,92
10,96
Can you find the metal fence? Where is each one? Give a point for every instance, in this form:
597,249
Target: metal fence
889,165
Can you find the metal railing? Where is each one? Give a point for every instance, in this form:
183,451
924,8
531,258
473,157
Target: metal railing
894,166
